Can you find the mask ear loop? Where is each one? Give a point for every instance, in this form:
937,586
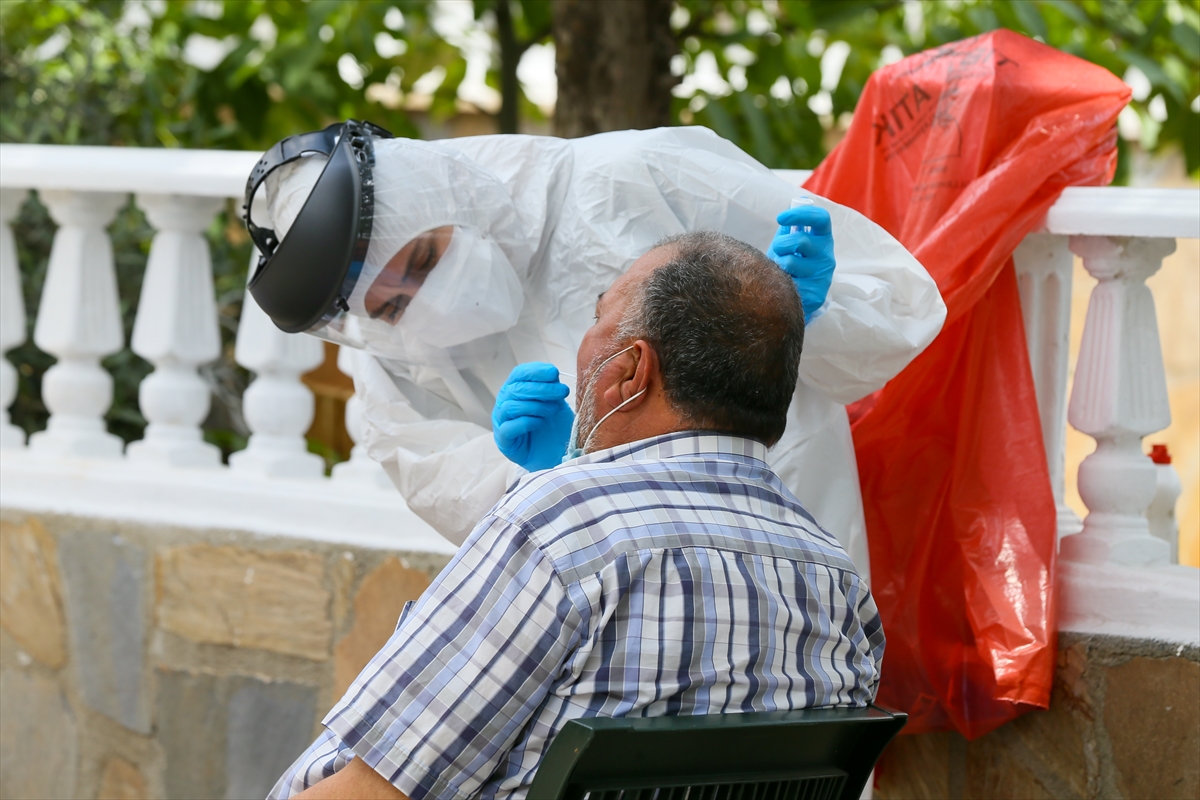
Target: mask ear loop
596,427
573,451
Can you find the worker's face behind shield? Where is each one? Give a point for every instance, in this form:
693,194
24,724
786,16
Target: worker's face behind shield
389,294
446,287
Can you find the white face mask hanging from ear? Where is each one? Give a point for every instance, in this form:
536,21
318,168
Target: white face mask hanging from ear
574,451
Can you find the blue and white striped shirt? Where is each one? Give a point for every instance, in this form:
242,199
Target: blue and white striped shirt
674,575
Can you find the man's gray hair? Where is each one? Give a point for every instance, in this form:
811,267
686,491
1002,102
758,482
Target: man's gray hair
728,328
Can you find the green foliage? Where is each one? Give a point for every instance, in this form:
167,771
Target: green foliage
754,42
330,455
117,73
70,77
517,24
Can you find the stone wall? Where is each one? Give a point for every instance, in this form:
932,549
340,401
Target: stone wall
1123,722
150,661
147,661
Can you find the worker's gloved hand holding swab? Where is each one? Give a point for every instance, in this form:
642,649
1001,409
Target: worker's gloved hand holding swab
531,421
803,247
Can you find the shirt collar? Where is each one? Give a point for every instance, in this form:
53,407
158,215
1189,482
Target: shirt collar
682,444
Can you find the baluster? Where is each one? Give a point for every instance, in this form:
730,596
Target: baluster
277,406
79,322
176,330
1044,264
361,469
12,314
1119,396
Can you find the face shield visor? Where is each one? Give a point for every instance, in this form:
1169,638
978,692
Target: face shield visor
404,262
443,289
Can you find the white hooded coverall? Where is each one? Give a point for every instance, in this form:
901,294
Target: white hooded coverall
571,216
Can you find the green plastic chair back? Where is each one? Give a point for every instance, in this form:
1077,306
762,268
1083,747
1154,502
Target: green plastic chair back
811,754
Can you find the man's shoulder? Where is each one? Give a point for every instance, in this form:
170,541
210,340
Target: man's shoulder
540,495
691,500
680,479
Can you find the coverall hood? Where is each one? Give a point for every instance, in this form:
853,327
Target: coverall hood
447,259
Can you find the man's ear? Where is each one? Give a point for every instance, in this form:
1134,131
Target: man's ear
637,379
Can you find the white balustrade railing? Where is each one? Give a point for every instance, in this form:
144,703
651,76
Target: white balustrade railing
1044,263
1118,397
176,331
12,315
277,406
360,469
79,323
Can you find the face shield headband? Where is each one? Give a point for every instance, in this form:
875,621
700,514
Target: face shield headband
305,280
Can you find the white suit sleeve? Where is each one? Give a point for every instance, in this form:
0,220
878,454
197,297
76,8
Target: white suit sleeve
448,470
883,309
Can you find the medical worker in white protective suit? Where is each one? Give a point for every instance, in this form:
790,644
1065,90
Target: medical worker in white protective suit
489,252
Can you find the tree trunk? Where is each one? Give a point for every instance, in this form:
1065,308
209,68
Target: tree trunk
613,63
510,57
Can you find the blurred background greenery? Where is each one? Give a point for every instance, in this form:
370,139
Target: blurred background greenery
778,77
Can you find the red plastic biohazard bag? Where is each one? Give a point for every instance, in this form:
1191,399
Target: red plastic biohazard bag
959,152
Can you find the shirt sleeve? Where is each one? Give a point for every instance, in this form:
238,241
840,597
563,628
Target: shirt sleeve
327,755
441,705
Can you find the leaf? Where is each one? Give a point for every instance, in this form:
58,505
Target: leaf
719,119
1031,19
1070,10
1191,141
1188,39
984,18
1153,71
760,135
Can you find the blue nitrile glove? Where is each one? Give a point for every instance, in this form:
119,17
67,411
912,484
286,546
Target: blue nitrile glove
532,421
807,257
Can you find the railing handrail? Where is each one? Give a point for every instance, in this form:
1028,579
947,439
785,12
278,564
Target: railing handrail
1126,211
205,173
1084,210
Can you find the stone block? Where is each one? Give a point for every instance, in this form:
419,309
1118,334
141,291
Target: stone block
921,765
342,582
266,600
30,591
1152,715
105,578
39,743
1048,753
377,606
191,732
122,781
1070,679
232,736
1000,765
270,725
1123,722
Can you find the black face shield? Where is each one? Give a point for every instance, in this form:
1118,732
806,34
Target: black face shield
305,280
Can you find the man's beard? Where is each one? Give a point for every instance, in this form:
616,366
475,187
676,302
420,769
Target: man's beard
585,406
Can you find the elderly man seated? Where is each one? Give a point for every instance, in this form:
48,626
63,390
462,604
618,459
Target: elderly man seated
664,569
